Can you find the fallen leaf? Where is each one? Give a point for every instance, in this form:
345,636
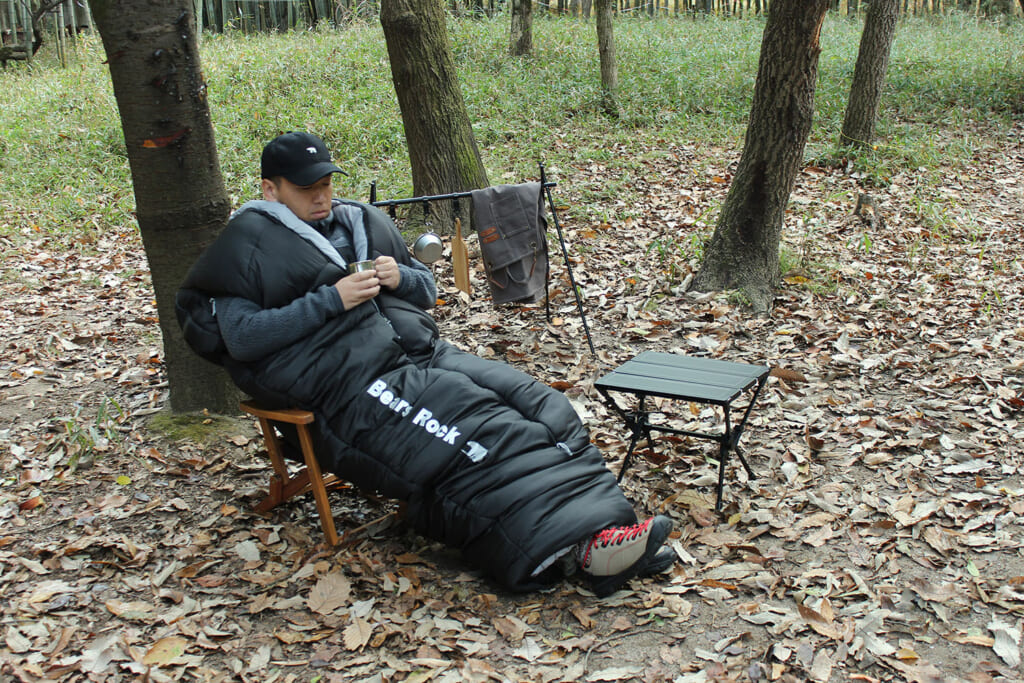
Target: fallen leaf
31,503
330,593
248,551
135,610
165,651
357,634
616,673
16,641
529,650
1007,642
512,628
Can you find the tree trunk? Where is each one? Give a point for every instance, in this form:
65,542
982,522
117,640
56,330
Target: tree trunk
442,150
744,251
181,202
869,74
40,12
606,50
521,34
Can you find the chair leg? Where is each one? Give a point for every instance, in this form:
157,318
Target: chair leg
280,480
275,496
316,483
284,486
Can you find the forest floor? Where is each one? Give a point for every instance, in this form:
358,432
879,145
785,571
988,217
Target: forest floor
879,539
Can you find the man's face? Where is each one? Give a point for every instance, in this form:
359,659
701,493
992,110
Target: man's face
308,202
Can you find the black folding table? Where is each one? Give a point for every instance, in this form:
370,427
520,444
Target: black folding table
684,378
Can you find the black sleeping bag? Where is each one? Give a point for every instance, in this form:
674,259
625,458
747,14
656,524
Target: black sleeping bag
488,460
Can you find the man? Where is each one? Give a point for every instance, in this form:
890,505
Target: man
486,459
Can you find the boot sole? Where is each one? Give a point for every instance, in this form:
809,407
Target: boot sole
662,560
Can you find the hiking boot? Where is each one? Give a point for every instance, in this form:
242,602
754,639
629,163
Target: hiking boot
614,556
662,561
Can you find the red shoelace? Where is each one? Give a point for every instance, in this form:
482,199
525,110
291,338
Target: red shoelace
620,534
615,535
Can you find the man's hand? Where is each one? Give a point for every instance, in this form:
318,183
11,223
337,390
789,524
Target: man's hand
387,272
358,288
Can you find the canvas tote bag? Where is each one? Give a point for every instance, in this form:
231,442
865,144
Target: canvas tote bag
512,228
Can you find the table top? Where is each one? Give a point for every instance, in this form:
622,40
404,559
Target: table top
687,378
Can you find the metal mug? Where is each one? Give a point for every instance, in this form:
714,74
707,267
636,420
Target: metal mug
427,247
360,266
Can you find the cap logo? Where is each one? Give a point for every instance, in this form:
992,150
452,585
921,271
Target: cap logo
311,150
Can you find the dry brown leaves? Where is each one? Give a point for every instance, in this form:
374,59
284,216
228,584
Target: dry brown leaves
879,539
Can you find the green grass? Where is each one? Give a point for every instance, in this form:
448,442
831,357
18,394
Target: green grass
63,168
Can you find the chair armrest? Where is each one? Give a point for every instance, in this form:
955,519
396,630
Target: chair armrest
293,416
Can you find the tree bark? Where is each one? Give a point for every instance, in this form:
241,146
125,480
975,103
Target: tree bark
181,201
744,251
521,33
869,74
442,150
606,50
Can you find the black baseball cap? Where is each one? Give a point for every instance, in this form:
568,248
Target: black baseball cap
301,158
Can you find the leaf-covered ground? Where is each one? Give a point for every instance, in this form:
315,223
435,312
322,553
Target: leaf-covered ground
879,539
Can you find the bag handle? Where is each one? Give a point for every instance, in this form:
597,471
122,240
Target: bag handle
508,271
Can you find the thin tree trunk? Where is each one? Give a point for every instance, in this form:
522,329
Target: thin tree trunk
869,74
606,51
744,251
442,150
521,33
181,202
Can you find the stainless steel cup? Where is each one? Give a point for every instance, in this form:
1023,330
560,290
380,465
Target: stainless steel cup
360,266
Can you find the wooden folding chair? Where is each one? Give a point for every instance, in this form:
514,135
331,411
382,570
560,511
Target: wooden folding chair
283,485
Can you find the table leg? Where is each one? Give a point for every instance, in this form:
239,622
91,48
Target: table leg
639,426
730,440
629,455
723,455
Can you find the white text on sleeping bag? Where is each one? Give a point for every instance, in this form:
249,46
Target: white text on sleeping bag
424,418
